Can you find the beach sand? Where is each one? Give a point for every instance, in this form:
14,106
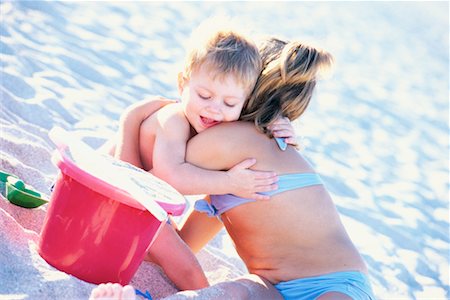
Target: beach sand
377,129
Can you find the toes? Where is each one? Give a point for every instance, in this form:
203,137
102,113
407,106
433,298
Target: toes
116,291
98,292
113,291
128,293
109,290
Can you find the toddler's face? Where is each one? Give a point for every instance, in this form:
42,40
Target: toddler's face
209,101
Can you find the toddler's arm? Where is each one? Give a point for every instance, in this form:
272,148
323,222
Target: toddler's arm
127,144
169,164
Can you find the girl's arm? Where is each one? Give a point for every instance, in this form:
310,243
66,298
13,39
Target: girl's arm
198,229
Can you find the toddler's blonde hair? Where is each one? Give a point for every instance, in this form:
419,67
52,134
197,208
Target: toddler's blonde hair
287,81
226,50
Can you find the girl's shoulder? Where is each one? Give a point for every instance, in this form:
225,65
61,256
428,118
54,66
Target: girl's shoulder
229,136
234,129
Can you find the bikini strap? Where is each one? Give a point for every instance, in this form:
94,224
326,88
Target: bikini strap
281,143
287,182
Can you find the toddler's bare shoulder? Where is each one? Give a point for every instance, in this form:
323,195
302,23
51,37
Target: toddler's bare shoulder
172,117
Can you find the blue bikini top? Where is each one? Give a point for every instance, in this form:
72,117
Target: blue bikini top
222,203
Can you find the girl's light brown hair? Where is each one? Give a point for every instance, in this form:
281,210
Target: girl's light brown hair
286,83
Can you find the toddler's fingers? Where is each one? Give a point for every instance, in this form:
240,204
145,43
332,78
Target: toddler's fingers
277,127
282,133
286,131
259,197
266,175
265,182
266,188
263,188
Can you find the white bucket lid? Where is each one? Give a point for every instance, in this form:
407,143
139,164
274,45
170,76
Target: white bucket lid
114,178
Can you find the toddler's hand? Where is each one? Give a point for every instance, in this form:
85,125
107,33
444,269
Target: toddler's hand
247,183
144,108
282,128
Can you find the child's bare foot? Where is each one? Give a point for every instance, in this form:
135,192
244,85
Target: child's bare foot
110,291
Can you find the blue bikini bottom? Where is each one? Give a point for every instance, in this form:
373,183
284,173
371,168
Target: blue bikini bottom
351,283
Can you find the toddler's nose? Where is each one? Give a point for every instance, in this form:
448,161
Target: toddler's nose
214,108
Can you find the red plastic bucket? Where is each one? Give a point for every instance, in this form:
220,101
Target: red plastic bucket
95,230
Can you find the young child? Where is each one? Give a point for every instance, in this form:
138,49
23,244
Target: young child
221,69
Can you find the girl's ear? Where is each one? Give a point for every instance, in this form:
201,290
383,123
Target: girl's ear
181,82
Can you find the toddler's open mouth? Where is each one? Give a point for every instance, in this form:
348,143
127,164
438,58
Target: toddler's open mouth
207,122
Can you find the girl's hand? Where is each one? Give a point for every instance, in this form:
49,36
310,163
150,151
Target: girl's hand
247,183
282,128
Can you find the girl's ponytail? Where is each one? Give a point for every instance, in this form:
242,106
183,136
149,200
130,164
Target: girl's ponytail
287,82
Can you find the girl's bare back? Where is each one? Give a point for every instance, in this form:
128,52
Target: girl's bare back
297,233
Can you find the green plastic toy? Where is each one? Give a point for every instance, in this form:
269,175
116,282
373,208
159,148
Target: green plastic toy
19,193
3,179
